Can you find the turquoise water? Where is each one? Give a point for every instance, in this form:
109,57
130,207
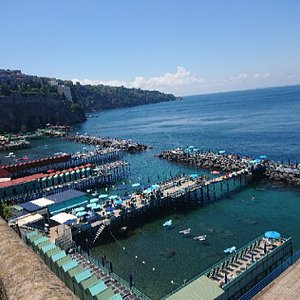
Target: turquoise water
251,122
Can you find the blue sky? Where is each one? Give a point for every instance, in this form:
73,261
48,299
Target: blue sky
183,47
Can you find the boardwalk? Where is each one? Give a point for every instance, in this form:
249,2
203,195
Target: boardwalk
285,287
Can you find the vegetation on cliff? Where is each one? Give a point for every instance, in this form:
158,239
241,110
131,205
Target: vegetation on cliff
101,97
30,101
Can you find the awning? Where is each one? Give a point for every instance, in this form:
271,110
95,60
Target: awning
30,219
62,218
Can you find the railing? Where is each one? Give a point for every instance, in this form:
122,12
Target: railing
270,277
219,264
114,276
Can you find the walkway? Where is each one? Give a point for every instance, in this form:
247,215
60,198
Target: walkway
286,286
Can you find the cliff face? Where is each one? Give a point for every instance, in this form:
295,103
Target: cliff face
31,112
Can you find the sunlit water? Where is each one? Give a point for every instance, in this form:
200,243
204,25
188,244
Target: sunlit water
252,122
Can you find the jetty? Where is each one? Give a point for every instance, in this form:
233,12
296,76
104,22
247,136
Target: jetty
214,161
234,275
124,145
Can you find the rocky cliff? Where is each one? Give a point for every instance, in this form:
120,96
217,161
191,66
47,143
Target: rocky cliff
30,112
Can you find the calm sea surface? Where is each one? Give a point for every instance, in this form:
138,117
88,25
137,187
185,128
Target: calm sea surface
259,122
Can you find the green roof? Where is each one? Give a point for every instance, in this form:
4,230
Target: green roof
116,297
83,276
75,271
106,294
31,234
58,256
64,260
97,288
89,282
35,237
70,265
40,240
43,244
201,288
48,247
53,251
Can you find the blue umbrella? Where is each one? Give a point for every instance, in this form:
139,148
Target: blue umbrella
94,200
194,175
81,213
78,209
117,202
154,186
272,235
263,157
136,184
108,209
103,196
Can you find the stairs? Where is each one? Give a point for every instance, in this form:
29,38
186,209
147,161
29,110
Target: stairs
98,233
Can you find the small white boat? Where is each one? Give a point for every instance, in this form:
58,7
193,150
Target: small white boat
230,250
168,223
185,231
95,194
10,155
200,237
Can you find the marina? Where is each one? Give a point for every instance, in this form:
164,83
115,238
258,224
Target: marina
131,207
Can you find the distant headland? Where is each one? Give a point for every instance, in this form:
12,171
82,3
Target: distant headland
29,102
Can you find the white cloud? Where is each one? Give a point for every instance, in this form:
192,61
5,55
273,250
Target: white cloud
239,77
261,75
181,80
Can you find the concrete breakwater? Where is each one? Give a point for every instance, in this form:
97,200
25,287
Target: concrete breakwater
124,145
207,160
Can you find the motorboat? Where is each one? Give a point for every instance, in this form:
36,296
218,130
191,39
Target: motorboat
200,237
185,231
10,155
230,250
168,223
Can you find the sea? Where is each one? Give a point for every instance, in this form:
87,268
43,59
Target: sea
254,122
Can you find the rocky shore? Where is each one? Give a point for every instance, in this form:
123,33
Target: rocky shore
283,173
207,160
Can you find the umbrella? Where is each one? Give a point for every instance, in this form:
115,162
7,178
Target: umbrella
94,200
272,235
194,175
81,213
81,208
117,202
96,206
154,186
136,184
108,209
263,157
112,197
102,196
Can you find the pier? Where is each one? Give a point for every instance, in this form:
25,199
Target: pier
124,145
234,275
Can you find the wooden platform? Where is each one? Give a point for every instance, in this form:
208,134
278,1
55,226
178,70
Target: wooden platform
286,286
